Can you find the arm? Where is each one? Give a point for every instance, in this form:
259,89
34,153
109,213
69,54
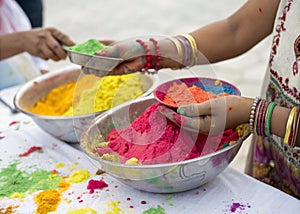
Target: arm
216,42
239,32
42,42
215,115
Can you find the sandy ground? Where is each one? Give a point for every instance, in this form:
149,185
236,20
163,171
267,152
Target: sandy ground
117,19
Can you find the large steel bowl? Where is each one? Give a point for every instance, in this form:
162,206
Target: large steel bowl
66,128
158,178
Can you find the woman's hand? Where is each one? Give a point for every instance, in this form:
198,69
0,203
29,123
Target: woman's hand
212,116
46,43
133,55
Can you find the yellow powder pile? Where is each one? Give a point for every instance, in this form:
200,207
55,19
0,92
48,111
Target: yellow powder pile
110,91
89,94
47,201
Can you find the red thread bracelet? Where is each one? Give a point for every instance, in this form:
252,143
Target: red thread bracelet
158,57
148,55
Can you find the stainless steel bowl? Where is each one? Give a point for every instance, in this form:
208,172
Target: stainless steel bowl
100,63
158,178
66,128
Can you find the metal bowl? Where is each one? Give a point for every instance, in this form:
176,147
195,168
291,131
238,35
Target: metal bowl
100,63
216,86
158,178
66,128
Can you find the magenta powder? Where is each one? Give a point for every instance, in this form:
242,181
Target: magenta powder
235,206
152,139
96,184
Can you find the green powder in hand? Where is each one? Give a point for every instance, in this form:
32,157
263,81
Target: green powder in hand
89,47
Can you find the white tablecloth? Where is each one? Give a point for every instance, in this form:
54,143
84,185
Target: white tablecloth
231,188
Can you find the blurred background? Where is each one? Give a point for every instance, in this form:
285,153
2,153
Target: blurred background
119,19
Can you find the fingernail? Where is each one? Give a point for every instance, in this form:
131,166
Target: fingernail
103,52
181,111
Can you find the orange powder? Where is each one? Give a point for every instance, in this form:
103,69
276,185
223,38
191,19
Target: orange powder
181,94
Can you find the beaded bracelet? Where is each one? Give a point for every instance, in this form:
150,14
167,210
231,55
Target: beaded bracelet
252,113
268,118
148,64
158,55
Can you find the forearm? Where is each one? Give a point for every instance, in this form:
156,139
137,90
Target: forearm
11,44
278,120
239,32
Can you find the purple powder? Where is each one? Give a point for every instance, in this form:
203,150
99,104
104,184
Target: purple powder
235,206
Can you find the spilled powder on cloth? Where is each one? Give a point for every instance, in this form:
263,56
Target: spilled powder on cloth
151,139
86,210
158,210
14,180
47,201
79,176
96,184
114,208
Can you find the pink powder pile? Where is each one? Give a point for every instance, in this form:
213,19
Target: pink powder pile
153,139
96,184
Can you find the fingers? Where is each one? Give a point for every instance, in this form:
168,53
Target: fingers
50,42
193,124
195,110
61,37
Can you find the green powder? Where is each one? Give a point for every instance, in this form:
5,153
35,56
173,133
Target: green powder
13,180
89,47
158,210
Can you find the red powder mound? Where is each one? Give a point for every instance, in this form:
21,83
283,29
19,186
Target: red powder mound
153,139
181,94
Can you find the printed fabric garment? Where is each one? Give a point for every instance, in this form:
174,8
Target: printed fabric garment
272,161
22,67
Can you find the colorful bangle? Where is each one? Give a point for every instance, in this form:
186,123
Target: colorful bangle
148,64
193,45
158,54
268,118
288,128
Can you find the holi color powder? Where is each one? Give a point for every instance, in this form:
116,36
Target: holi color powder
87,210
96,184
31,150
238,206
89,47
14,180
158,210
79,176
114,208
153,140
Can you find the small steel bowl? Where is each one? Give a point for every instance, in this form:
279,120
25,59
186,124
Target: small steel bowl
65,128
207,84
158,178
102,64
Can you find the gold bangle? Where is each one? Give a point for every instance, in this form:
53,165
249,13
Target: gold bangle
194,46
178,47
289,125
